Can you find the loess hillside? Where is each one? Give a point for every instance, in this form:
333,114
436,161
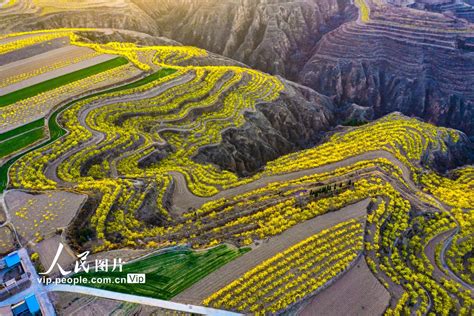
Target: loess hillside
416,62
296,156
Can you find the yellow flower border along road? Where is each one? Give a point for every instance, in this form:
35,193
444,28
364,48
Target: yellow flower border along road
406,139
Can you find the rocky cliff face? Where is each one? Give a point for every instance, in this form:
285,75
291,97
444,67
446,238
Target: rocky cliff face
297,120
275,36
458,154
403,60
417,72
126,16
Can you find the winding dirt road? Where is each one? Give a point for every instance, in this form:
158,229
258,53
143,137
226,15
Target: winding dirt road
97,136
186,308
183,199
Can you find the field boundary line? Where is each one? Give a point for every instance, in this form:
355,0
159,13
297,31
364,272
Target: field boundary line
139,300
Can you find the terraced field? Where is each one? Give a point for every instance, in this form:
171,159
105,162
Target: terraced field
406,47
29,71
126,132
299,270
21,137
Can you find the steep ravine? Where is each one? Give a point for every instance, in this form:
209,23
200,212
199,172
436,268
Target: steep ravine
298,119
276,36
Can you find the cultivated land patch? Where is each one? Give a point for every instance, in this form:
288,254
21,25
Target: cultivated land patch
14,38
21,137
34,70
47,250
183,199
295,273
21,130
38,215
357,292
170,272
54,83
7,240
26,110
35,63
84,305
266,250
33,50
21,141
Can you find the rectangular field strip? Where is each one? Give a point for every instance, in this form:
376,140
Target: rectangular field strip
22,129
169,273
60,81
21,141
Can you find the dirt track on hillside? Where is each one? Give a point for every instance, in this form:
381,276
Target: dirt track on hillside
183,199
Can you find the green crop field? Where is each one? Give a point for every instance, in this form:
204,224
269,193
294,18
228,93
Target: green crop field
22,129
51,84
169,273
16,143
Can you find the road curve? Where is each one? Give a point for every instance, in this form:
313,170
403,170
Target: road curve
446,245
183,199
97,136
